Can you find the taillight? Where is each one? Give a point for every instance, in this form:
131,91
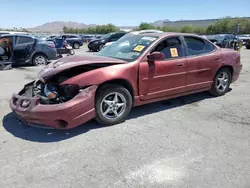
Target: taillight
52,45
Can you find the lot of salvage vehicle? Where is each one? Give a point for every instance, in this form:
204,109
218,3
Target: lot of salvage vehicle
192,141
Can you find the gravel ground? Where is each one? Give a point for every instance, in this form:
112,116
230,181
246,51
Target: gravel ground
194,141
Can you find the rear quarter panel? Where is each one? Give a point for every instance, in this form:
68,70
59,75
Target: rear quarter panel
46,50
232,58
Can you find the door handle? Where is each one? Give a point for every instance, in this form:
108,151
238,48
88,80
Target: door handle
180,65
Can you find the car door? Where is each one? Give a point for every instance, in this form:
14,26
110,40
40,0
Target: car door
6,44
23,49
203,60
167,77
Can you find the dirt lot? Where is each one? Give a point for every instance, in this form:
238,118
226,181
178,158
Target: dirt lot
194,141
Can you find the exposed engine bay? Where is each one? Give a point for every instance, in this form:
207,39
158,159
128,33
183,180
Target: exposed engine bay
50,93
50,90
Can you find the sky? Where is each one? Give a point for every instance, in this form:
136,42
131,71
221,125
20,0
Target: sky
31,13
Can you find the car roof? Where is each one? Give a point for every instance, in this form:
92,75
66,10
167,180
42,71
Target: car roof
69,34
165,34
17,35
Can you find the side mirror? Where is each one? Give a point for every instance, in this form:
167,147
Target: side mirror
156,56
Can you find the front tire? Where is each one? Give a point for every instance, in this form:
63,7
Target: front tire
113,104
40,60
221,82
71,52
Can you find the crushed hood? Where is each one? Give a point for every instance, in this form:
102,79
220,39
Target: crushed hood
74,61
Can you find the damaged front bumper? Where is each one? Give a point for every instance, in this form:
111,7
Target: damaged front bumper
70,114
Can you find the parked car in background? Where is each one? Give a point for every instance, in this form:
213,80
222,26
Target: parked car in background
73,40
223,40
50,37
244,38
97,44
25,49
248,44
105,86
88,38
98,36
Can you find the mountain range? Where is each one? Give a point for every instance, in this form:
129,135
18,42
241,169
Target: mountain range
57,26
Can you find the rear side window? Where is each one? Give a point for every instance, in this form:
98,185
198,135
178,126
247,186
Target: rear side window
209,47
24,40
171,48
197,46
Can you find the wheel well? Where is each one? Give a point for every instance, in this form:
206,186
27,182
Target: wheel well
76,42
230,68
121,82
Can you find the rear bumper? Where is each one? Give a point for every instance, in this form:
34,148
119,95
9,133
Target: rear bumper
52,55
66,115
236,73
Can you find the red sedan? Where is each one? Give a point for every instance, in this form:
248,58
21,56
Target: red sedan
135,70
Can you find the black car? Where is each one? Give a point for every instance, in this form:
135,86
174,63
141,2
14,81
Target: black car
97,44
248,44
73,40
223,40
88,38
25,49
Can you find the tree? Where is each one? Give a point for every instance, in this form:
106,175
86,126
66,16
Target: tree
144,26
187,29
65,29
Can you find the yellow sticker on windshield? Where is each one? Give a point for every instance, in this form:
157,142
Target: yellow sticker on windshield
174,52
139,48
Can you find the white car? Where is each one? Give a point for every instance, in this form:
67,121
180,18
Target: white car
137,33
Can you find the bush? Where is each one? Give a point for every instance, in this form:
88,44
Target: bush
100,29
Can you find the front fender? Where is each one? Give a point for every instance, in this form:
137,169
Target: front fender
128,72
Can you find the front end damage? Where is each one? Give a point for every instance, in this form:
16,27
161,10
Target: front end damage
50,102
68,109
62,112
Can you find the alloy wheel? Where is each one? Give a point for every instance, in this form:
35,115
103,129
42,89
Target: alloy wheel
40,60
222,81
113,105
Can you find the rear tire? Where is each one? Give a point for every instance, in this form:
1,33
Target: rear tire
39,60
221,83
76,45
100,47
113,104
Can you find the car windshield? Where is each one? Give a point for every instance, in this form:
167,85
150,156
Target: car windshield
106,36
128,48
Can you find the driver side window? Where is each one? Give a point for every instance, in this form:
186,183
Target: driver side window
170,47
